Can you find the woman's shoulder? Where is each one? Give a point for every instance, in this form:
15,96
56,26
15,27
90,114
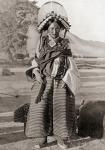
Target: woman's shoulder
64,40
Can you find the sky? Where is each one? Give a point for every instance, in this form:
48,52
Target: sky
87,17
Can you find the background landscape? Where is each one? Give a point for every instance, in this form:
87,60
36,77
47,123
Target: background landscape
15,18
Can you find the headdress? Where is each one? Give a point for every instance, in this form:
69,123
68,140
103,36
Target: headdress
51,10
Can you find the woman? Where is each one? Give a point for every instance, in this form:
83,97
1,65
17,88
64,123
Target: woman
52,109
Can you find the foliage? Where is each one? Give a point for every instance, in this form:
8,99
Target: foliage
14,25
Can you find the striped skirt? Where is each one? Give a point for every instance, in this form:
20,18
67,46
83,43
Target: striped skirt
54,113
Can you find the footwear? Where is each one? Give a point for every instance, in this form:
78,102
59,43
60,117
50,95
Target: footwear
62,146
39,143
63,143
36,147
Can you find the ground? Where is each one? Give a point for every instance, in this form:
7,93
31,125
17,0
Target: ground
15,91
27,145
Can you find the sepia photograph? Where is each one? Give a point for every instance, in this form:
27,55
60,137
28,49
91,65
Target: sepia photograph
52,75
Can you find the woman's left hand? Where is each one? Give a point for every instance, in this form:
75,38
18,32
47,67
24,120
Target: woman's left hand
63,84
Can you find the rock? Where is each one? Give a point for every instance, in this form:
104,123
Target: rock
7,72
90,121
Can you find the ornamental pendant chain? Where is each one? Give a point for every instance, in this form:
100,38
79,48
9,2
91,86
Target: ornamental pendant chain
52,43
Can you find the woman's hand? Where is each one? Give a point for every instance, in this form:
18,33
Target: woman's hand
37,75
63,84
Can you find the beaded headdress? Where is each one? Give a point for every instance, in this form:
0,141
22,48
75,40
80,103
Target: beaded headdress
52,10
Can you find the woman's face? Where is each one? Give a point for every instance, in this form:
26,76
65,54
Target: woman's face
54,30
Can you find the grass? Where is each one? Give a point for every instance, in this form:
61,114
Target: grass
8,104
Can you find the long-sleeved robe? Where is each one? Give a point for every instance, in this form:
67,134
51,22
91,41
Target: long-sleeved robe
55,112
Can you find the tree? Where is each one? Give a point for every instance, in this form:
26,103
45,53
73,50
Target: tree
14,25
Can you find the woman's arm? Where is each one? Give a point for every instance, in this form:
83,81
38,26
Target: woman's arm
56,65
35,72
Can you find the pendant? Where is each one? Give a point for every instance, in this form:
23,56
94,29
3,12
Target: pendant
52,43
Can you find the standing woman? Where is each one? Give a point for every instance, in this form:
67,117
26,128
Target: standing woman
52,108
